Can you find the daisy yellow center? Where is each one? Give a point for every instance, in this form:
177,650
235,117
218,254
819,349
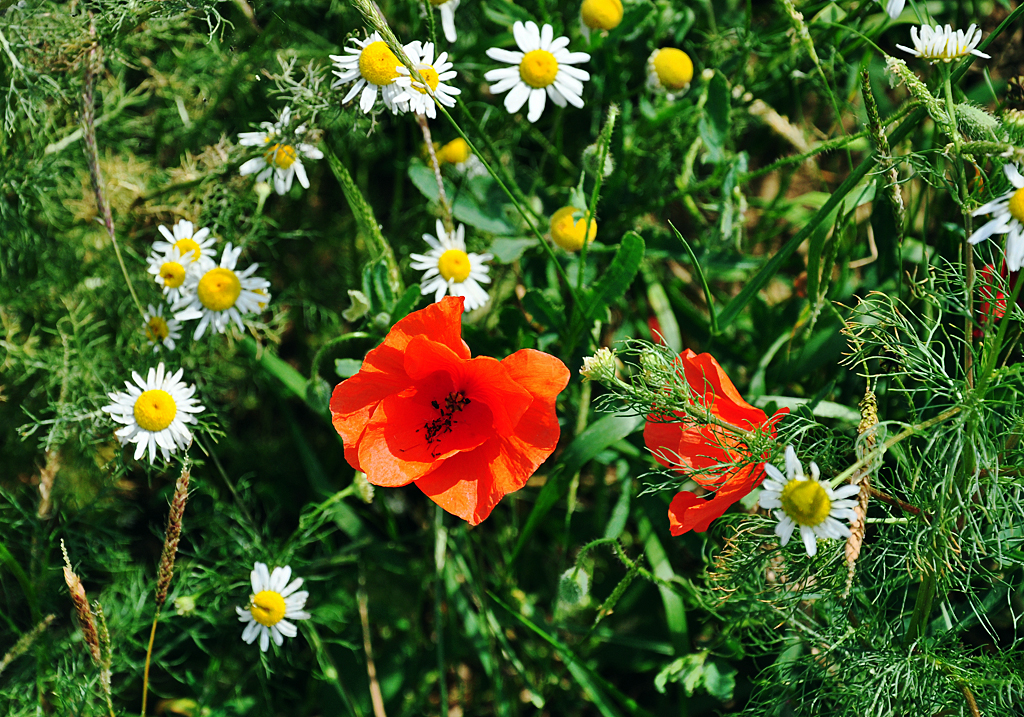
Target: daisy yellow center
172,273
267,608
568,232
601,14
1017,205
673,67
456,152
454,264
436,3
805,502
377,64
154,410
538,68
219,289
184,246
156,329
429,74
281,156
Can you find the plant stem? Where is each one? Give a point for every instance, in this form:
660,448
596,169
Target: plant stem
922,608
149,656
968,250
440,544
446,207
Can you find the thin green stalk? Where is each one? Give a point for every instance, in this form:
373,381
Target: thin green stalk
440,545
922,608
442,196
602,154
968,250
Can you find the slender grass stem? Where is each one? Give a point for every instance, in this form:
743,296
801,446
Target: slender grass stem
149,657
440,546
442,197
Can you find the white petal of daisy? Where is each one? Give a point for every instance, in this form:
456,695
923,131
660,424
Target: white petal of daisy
1008,218
375,66
158,406
807,503
270,603
218,295
447,9
539,70
894,7
282,156
159,331
433,73
944,44
449,269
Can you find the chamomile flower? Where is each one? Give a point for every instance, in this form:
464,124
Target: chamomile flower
374,68
434,74
1007,218
218,294
160,331
170,268
944,44
600,15
282,158
155,412
894,7
669,70
183,236
542,69
447,8
274,601
807,503
448,269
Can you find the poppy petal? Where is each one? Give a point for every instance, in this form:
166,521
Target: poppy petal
688,512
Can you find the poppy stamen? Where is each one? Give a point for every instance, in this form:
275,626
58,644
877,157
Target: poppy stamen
453,403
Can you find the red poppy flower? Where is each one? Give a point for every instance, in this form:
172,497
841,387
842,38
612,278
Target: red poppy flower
679,443
465,430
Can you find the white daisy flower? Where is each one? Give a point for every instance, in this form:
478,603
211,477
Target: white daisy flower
806,502
160,331
448,269
542,69
1007,218
944,44
217,295
447,8
192,244
282,158
669,70
170,268
434,73
154,412
272,604
894,7
375,68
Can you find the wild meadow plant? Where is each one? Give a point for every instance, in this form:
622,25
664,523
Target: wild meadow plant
695,324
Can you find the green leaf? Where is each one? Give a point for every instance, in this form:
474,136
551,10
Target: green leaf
617,278
507,249
597,436
714,125
720,682
406,302
543,311
477,205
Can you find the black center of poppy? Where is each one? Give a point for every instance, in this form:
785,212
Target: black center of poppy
453,403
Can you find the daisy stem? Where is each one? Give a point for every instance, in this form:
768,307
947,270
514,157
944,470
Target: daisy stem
968,250
93,159
149,656
602,154
446,207
440,544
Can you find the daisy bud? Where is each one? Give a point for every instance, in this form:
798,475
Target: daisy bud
590,160
1013,121
184,605
601,14
600,367
364,489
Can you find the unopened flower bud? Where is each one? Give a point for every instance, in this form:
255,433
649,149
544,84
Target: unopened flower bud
600,367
